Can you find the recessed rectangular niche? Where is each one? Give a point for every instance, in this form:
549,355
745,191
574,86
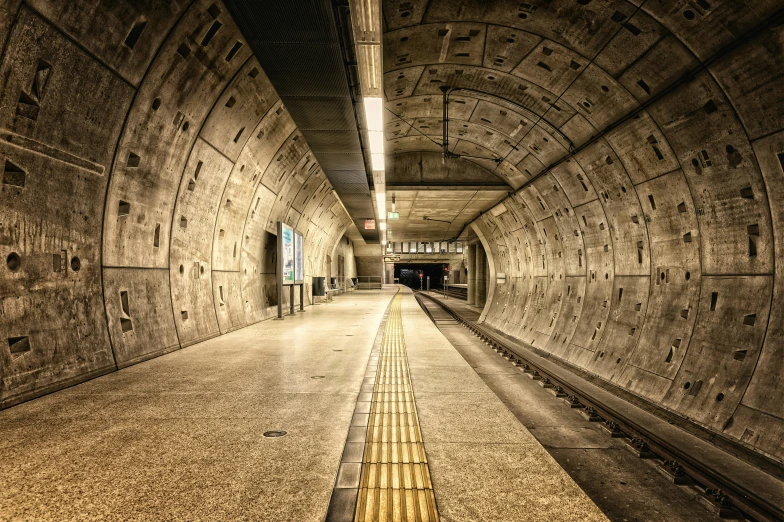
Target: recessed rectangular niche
125,321
27,107
58,261
233,51
750,319
652,201
747,193
136,31
183,222
739,355
753,231
695,388
123,208
184,315
126,309
19,345
239,135
214,11
213,30
13,175
126,325
682,207
133,160
183,50
156,238
714,298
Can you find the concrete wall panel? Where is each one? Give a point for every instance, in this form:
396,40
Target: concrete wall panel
161,128
203,181
125,37
627,311
268,137
239,109
725,182
724,348
60,113
629,246
139,310
227,296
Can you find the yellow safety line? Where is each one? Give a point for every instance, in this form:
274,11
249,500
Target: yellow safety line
395,481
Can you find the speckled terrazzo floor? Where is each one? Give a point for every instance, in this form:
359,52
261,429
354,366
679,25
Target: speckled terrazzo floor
180,437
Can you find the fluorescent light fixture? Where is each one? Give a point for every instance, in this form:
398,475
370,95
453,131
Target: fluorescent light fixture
377,161
374,118
374,113
382,226
381,204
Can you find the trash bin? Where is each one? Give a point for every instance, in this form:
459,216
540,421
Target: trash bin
319,287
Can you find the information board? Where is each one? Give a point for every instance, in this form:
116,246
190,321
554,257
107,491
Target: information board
299,256
286,253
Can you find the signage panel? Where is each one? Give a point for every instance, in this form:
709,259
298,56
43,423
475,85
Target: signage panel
370,224
286,253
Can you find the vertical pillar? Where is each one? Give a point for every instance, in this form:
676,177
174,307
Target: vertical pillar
480,264
470,257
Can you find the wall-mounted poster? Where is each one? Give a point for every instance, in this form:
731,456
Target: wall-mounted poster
286,250
299,256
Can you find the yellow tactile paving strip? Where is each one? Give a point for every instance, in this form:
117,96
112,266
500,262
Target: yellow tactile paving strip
395,479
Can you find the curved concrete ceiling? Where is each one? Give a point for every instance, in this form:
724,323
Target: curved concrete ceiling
640,244
147,158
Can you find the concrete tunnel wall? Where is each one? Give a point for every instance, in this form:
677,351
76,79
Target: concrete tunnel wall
652,257
146,161
155,159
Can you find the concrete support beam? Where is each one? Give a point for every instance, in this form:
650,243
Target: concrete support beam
470,263
480,264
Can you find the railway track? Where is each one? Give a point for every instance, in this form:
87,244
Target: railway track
727,495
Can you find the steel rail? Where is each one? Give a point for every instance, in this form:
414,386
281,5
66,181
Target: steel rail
704,474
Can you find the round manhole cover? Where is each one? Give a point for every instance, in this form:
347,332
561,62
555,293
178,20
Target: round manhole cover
274,433
317,377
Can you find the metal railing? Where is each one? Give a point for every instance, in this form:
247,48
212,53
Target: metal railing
369,282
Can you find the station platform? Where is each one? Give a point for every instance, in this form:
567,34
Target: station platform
198,434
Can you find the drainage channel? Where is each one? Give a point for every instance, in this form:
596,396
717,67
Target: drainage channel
722,495
384,473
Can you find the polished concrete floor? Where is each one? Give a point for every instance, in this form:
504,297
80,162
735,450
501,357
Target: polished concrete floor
180,437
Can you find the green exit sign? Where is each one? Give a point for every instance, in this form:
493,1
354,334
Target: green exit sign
393,215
